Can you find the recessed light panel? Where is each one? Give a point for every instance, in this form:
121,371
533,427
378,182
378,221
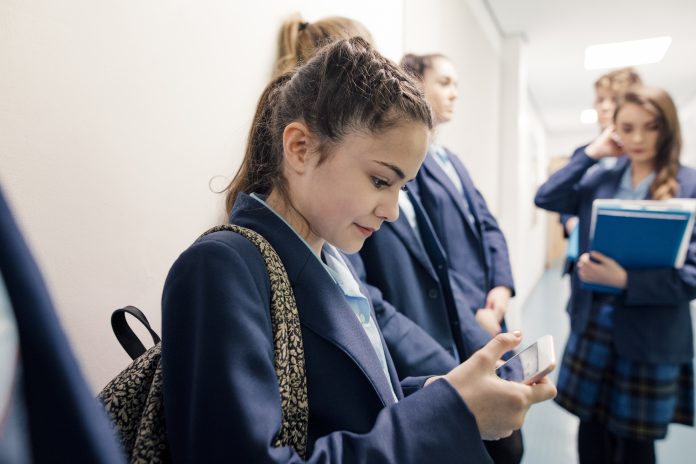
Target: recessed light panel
632,52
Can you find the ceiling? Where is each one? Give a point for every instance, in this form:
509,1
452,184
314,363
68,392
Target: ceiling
557,32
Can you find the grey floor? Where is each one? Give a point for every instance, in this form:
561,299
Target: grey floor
549,431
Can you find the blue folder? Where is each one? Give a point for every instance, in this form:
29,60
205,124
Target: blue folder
641,234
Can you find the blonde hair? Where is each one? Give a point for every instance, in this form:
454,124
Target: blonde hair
300,40
618,81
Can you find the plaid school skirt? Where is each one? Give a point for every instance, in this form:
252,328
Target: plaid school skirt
635,400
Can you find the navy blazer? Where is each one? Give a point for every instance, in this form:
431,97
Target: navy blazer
652,320
418,286
220,388
66,423
477,254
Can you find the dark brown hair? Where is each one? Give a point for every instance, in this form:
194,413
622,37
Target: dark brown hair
300,40
416,65
658,102
346,87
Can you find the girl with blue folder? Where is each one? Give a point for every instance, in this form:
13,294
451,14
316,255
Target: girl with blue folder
627,370
330,147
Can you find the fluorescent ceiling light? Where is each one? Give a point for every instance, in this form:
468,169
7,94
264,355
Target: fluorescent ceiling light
588,117
618,54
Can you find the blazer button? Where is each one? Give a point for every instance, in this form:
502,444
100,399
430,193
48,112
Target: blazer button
433,293
439,267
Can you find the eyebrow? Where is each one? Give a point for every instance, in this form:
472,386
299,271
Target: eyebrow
396,169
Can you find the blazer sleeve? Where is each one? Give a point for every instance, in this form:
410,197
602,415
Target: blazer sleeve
561,192
412,349
220,389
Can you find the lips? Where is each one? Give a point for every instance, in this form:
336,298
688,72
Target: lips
366,231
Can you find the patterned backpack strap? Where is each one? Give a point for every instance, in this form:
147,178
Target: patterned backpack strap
287,344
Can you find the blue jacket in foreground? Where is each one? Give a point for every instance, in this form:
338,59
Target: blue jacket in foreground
652,320
66,423
220,388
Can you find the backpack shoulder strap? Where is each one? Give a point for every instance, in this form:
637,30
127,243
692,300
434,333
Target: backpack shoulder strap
124,333
287,344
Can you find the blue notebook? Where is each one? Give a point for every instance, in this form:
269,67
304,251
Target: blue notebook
641,234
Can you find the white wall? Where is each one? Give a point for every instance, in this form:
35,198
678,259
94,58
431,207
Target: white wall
114,117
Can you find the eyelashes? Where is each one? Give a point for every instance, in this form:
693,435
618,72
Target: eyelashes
382,183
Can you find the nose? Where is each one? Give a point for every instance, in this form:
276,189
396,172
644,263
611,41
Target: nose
388,208
638,136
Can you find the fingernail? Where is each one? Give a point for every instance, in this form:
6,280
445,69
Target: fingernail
517,333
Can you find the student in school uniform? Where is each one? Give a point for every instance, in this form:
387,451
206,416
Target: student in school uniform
405,264
47,411
609,89
470,249
309,185
415,348
627,370
474,245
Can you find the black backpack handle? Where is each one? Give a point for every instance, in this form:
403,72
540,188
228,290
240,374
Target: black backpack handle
125,335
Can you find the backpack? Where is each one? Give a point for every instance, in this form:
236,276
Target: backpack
133,399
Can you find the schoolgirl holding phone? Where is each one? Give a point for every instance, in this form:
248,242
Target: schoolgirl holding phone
627,370
329,149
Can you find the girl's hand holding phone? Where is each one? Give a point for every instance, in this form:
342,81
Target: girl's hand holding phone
499,406
607,144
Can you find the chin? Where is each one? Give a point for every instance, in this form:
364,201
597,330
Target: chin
350,246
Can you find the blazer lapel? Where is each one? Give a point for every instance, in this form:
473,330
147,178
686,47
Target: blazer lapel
403,230
315,291
469,193
322,305
432,167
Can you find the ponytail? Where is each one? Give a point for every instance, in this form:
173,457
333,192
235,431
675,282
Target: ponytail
288,45
300,40
260,169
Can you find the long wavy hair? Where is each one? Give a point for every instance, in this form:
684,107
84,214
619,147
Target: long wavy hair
658,102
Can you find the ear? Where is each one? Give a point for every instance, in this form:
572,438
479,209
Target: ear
297,146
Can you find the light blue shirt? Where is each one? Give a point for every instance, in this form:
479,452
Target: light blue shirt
409,213
626,190
340,273
443,160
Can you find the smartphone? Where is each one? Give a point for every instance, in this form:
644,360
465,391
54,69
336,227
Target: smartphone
531,364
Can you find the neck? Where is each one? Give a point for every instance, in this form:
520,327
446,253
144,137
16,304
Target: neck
640,171
284,207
